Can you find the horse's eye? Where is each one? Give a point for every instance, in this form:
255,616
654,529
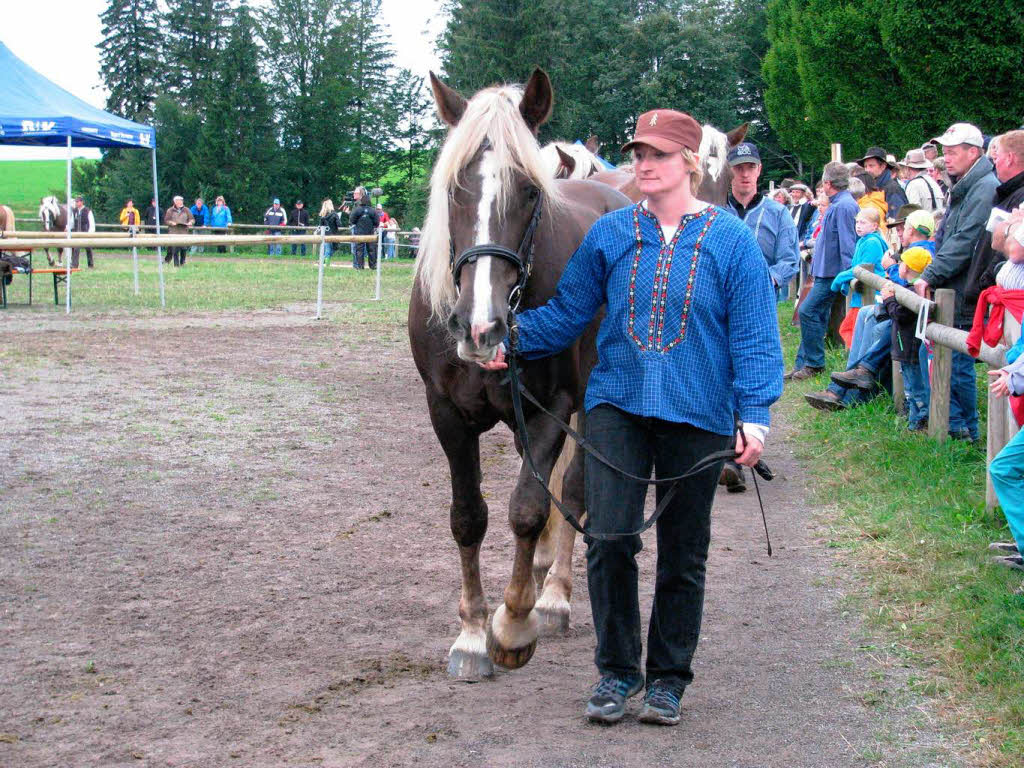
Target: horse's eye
531,194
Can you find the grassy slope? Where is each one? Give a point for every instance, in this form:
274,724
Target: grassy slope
23,182
909,514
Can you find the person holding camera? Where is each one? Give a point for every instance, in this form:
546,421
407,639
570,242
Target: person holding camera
364,219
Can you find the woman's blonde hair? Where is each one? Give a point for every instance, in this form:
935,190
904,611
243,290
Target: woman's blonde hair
326,207
696,170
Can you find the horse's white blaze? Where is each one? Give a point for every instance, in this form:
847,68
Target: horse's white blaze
481,312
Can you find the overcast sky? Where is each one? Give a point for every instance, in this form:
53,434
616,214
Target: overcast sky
66,53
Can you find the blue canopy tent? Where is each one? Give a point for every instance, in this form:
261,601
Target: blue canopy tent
36,112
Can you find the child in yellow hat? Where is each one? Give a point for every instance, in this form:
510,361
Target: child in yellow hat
907,349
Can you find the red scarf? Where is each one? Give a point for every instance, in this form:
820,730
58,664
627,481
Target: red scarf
992,332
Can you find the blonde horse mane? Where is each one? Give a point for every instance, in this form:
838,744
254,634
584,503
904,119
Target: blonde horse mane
587,163
492,115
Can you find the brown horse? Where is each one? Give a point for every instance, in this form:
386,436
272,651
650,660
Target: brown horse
714,147
487,186
54,217
8,228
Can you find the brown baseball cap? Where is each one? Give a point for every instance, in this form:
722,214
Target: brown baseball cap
666,130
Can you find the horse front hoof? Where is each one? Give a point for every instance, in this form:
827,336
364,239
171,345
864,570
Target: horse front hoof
510,641
469,667
509,658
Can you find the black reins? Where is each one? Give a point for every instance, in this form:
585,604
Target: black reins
519,391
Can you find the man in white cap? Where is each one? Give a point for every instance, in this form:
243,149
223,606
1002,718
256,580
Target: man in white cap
922,190
970,202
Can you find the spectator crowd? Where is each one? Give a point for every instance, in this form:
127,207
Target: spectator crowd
949,214
357,216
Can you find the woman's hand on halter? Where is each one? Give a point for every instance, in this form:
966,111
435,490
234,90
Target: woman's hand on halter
496,363
750,455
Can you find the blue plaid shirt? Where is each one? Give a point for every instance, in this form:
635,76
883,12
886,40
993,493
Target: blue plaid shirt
690,334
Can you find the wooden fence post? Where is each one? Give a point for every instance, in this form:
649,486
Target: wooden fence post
942,369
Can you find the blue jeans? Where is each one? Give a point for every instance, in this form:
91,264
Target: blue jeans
870,348
390,249
814,316
274,249
915,385
963,395
1007,471
615,504
328,250
300,245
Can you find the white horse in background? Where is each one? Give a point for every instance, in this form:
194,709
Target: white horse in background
571,161
54,218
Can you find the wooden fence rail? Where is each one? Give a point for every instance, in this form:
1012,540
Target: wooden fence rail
1002,425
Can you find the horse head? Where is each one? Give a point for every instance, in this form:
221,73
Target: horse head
489,189
49,213
714,151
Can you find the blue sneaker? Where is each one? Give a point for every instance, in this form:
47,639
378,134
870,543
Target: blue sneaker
607,703
661,705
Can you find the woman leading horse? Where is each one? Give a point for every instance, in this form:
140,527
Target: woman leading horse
688,348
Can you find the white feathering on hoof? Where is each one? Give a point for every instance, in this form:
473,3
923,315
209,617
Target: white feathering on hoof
470,641
514,633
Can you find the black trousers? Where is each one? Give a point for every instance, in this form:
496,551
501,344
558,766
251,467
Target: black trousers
364,251
74,257
615,504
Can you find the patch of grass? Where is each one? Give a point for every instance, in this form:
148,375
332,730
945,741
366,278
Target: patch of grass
909,514
212,285
23,182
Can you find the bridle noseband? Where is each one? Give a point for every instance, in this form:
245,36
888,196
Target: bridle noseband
521,258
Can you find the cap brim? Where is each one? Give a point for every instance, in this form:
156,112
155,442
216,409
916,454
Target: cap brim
659,143
745,159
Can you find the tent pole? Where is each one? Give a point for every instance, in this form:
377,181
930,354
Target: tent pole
159,256
67,251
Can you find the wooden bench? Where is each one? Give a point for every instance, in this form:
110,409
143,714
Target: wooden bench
59,276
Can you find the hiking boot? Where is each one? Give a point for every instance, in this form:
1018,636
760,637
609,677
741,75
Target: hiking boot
607,703
1016,562
857,378
826,400
807,372
732,477
921,426
1004,546
661,705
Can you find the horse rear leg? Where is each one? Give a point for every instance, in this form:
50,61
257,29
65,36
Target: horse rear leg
553,605
467,658
512,638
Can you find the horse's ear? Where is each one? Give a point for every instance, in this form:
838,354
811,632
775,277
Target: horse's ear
737,134
538,99
567,160
593,144
450,105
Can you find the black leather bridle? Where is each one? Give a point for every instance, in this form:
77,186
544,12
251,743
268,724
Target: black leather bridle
521,258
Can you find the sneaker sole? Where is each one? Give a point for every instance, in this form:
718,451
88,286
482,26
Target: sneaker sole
654,717
597,717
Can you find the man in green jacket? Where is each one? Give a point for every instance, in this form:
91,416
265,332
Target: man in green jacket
970,202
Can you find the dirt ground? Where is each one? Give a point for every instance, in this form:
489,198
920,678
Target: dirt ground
224,542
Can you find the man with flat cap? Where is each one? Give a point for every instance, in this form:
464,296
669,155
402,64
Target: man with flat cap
877,164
